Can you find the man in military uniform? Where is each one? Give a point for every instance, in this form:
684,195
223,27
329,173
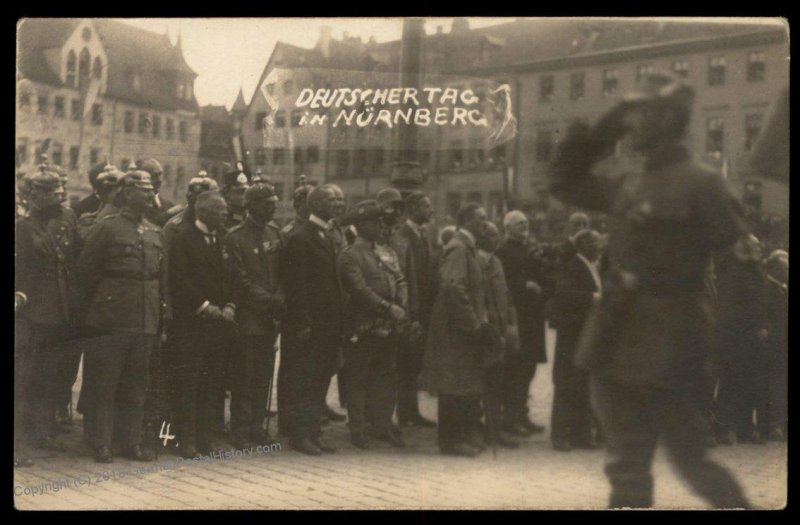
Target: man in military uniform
310,339
185,212
43,305
646,344
120,270
252,259
301,211
419,265
371,276
233,188
157,214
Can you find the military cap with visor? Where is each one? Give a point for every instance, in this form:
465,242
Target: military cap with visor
260,191
136,179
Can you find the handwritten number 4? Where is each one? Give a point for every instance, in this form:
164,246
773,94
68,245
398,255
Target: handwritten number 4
166,436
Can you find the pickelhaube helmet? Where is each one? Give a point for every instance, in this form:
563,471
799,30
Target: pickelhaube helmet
235,178
151,166
202,182
136,178
108,178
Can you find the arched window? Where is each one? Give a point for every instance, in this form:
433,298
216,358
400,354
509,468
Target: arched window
72,63
83,64
97,68
181,90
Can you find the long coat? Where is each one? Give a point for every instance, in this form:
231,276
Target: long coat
453,362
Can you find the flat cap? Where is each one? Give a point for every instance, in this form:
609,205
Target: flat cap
363,211
136,179
260,191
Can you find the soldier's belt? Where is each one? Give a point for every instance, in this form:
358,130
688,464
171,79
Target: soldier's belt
136,276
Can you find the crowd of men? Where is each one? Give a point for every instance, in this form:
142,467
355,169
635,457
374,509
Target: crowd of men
173,306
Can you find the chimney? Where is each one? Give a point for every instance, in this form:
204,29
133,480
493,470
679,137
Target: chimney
324,42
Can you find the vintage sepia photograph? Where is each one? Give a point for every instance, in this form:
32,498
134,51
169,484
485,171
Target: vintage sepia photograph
418,263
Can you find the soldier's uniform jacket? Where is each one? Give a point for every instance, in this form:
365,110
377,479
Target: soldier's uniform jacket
88,220
251,257
42,273
371,276
233,220
120,269
293,225
664,225
64,230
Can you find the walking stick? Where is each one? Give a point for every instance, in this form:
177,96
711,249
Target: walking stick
269,391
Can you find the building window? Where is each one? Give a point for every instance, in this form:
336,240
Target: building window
498,154
170,129
378,158
181,90
278,156
715,135
476,156
261,157
752,129
495,204
610,82
143,123
57,153
577,85
456,155
167,172
288,87
76,110
97,68
94,156
312,154
453,203
298,155
544,146
22,152
83,65
297,114
128,121
58,107
261,120
189,91
180,173
342,161
42,100
547,88
643,70
360,161
156,126
271,88
24,98
72,63
755,66
74,151
424,157
280,119
182,131
97,114
716,71
475,196
681,68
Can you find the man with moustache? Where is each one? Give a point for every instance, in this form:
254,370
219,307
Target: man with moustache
202,319
158,214
120,271
310,353
252,257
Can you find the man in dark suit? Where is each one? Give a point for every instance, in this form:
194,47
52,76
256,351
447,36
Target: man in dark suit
202,318
252,256
90,203
158,213
577,289
528,286
414,249
311,336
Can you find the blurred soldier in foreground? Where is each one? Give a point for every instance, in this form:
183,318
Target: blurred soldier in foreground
42,302
377,302
460,337
120,270
158,213
202,319
252,257
310,337
647,343
91,203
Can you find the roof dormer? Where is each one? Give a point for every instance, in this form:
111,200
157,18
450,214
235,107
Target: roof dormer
83,58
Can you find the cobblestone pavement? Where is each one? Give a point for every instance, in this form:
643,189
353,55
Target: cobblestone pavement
417,477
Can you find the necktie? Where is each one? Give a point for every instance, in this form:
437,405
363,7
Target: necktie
211,239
